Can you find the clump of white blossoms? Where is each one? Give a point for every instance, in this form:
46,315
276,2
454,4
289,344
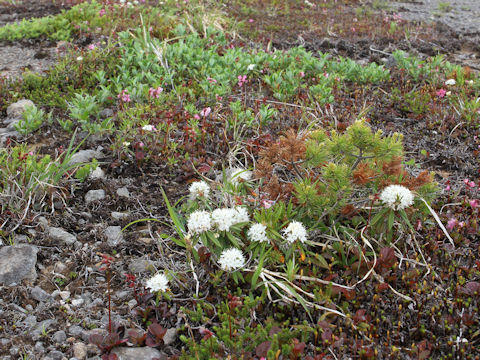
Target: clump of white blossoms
224,218
199,222
236,174
148,127
258,233
295,231
240,215
231,259
397,197
199,189
159,282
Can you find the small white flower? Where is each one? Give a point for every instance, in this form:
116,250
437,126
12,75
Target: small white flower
126,143
251,67
199,189
258,233
199,222
238,173
157,283
450,82
80,58
148,127
448,93
397,197
240,215
469,82
223,218
231,259
295,231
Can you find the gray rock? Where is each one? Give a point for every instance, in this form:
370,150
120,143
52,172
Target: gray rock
6,133
59,234
17,263
94,195
85,156
98,173
59,337
16,110
119,215
39,294
170,336
39,347
55,355
75,330
29,322
144,353
106,113
79,350
123,192
77,302
113,235
141,265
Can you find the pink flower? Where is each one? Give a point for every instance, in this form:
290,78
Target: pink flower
451,224
241,80
441,93
470,184
91,47
267,204
302,74
124,96
155,93
218,97
211,80
474,203
102,12
205,112
447,188
250,21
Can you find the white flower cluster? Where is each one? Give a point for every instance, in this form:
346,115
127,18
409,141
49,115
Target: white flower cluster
237,174
231,259
157,283
258,233
199,222
199,189
224,218
397,197
295,231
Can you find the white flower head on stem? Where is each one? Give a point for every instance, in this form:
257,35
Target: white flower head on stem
199,189
258,233
148,127
224,218
251,67
199,222
231,259
450,82
240,215
295,231
397,197
237,174
159,282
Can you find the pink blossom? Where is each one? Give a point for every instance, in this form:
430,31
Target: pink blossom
196,117
474,203
211,80
470,184
218,97
91,47
447,188
250,21
241,80
451,224
302,74
102,12
205,112
267,204
141,144
441,93
155,93
124,96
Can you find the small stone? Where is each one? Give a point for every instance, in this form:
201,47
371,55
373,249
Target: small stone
17,263
170,336
64,294
59,337
39,294
123,192
119,215
43,327
141,265
58,234
144,353
79,350
77,302
55,355
75,330
114,235
85,156
94,195
98,173
30,321
106,113
39,347
16,109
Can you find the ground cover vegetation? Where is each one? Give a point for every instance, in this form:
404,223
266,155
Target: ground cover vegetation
297,203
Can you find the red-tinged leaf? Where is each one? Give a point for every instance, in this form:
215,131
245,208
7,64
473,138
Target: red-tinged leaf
274,330
472,288
324,325
298,347
204,254
262,349
382,287
327,335
204,169
424,355
386,259
349,294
